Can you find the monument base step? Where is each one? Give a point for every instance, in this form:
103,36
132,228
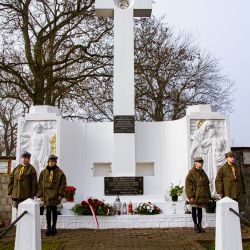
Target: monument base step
129,221
173,216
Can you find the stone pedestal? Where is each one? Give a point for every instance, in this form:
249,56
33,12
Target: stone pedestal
28,232
228,230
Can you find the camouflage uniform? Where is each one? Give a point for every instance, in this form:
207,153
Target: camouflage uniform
229,181
197,186
52,184
198,192
22,183
50,188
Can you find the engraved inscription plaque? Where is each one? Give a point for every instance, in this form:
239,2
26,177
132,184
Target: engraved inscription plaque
123,185
124,124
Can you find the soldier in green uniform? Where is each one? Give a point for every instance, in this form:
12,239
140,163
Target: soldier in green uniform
198,192
51,190
229,180
23,181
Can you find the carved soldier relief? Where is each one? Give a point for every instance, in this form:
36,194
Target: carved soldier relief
208,140
39,138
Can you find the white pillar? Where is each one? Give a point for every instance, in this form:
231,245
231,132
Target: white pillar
124,142
28,231
228,231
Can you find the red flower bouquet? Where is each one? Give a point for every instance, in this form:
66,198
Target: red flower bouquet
98,206
70,192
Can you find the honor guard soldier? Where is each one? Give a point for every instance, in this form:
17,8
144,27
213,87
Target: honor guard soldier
198,192
23,181
229,180
51,190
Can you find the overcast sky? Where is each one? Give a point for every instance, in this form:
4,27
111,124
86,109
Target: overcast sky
222,28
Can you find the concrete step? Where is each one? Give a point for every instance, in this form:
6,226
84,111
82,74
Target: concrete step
129,221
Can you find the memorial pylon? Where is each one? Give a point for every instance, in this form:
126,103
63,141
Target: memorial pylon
124,12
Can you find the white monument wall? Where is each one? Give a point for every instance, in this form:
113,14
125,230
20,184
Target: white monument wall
175,154
149,147
72,151
86,150
98,149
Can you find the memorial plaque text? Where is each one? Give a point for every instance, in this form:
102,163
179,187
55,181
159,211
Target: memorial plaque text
124,124
123,185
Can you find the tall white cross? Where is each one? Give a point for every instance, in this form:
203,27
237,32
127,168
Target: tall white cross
123,12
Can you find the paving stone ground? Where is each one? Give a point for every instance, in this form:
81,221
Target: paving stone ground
168,238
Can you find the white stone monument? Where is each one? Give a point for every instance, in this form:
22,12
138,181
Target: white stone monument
28,232
228,231
123,12
161,152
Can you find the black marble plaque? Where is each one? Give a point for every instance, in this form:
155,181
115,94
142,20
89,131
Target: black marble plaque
123,185
124,124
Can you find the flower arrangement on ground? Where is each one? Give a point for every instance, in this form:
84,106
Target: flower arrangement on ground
69,193
175,191
147,208
99,207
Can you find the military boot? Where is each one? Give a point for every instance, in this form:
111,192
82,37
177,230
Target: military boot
48,232
53,231
196,228
201,230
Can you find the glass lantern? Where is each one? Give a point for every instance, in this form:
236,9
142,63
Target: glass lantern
59,208
187,208
117,205
124,208
173,207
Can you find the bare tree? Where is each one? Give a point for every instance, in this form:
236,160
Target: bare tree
57,52
10,110
171,73
50,46
91,101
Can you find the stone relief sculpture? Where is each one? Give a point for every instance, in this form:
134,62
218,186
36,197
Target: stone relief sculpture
37,139
197,138
208,141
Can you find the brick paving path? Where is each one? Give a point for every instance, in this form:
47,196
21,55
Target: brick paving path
167,238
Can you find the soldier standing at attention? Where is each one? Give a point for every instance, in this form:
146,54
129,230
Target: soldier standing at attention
51,190
198,192
23,181
229,180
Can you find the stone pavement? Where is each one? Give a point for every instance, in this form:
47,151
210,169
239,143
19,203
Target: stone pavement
168,238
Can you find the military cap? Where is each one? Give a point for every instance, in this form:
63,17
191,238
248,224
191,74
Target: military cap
230,153
198,159
26,154
53,157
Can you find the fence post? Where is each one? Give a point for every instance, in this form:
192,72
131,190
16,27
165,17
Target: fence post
28,231
228,231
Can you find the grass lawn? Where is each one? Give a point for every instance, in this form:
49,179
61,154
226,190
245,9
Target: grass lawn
210,245
46,245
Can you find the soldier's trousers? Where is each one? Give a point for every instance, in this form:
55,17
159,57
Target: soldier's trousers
51,210
197,214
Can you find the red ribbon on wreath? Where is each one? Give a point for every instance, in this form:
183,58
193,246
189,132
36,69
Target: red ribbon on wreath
94,214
